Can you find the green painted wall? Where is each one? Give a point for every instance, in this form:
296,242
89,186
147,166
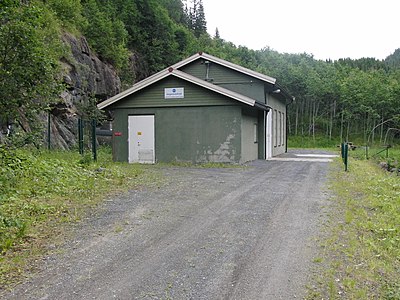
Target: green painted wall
278,125
228,78
250,136
196,134
261,135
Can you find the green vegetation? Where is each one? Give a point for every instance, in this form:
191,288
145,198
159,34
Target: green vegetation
30,50
360,255
319,141
335,101
40,192
340,100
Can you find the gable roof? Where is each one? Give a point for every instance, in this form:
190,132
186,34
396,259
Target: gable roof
171,71
227,64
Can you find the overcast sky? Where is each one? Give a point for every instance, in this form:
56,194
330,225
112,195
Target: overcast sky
325,28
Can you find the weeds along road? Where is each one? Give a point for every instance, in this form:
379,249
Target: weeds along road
235,233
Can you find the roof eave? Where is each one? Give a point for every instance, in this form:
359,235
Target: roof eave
262,106
285,94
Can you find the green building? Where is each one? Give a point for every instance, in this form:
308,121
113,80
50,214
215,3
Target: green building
202,109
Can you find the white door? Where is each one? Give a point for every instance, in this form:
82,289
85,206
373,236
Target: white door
141,139
268,137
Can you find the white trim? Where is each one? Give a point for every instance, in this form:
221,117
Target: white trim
268,135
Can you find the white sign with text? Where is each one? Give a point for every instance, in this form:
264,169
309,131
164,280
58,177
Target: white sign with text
174,93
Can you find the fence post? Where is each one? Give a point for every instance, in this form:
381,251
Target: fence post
94,145
48,130
80,136
346,156
342,150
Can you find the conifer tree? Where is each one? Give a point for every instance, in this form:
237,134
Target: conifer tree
200,24
196,18
217,35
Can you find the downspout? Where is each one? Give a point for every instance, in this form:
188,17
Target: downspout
265,134
265,126
267,146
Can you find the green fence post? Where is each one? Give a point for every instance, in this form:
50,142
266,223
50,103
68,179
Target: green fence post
80,136
342,150
48,131
346,156
94,145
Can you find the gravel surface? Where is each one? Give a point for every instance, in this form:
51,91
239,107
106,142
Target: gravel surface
235,233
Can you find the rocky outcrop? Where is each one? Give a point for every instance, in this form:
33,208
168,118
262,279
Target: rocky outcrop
86,79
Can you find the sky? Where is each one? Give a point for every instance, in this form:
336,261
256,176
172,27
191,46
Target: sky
327,29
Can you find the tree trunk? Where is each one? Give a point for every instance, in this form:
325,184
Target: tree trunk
333,114
341,127
310,113
373,133
296,119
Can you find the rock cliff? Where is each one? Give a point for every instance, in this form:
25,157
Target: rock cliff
86,78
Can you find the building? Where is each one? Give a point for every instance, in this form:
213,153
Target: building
202,109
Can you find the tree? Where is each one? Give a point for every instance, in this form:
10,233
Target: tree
217,35
30,49
196,18
106,33
175,10
69,12
393,60
199,23
156,39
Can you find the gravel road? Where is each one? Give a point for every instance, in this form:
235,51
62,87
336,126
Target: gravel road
234,233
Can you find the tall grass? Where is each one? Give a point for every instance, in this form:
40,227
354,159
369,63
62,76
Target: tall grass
360,257
310,142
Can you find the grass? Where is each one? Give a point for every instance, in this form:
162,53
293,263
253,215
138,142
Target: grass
310,142
42,192
360,255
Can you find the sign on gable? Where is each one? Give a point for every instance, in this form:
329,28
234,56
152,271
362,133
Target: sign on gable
174,93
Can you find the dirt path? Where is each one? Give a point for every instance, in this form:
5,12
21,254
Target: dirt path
241,233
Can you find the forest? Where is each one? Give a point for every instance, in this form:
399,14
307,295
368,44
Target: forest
346,99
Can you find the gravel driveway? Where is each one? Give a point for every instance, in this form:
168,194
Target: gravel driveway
235,233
